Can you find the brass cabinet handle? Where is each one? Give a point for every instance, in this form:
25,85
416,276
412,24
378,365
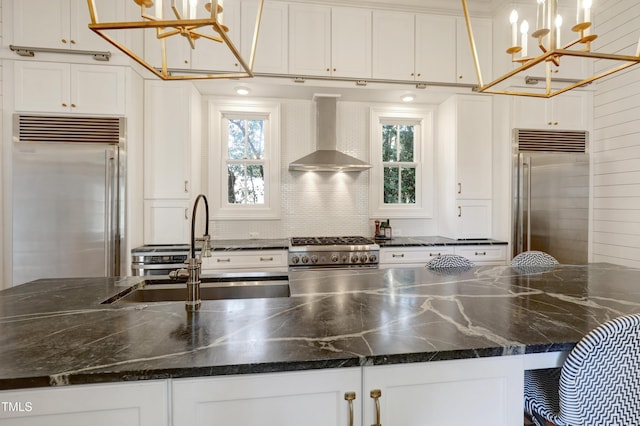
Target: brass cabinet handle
228,259
349,397
266,259
376,394
459,188
186,186
459,211
481,253
186,214
397,255
435,254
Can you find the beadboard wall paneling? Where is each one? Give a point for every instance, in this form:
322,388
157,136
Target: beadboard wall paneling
615,143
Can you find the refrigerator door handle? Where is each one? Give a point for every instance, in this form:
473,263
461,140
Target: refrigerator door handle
109,225
526,167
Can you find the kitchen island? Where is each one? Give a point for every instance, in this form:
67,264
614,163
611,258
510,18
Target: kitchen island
344,323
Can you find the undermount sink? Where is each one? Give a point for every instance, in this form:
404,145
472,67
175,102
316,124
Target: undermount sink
211,288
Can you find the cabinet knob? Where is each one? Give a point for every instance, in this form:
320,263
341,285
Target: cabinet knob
419,74
73,105
412,74
64,105
461,77
64,41
73,42
328,69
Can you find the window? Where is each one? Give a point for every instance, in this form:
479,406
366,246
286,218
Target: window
245,161
401,181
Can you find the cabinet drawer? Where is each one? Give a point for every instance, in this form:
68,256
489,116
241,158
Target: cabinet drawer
479,254
404,255
256,260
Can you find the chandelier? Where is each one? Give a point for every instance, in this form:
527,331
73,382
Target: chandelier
548,51
193,21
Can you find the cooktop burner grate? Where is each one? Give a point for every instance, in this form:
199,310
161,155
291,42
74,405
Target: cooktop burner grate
328,241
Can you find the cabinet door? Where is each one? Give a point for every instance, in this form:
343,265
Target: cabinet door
393,45
351,42
41,23
142,403
272,50
473,219
167,140
474,147
97,89
310,398
466,71
446,392
82,38
209,55
41,86
167,222
435,48
568,111
309,40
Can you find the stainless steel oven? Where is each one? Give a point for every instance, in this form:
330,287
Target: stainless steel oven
333,252
158,259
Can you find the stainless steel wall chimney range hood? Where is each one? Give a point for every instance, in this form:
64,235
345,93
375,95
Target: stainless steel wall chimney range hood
327,158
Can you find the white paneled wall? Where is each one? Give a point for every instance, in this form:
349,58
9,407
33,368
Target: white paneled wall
316,203
616,140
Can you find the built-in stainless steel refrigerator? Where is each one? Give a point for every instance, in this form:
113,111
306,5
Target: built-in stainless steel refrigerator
551,194
68,187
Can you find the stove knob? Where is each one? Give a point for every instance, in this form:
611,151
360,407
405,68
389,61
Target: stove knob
314,259
334,258
373,258
305,259
364,258
354,258
344,258
295,259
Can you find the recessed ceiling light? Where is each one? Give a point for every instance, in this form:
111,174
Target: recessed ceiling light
408,98
242,90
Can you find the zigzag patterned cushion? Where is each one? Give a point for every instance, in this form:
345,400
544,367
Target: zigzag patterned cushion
599,383
534,258
449,261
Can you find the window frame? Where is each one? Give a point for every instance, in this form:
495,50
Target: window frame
423,159
217,169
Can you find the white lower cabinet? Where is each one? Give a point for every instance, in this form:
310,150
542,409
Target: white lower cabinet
452,393
167,222
310,398
143,403
406,257
246,260
484,255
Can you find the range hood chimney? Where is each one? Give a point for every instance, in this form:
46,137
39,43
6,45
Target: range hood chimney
326,158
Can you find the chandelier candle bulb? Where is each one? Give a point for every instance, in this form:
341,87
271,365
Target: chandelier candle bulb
558,28
541,14
524,30
587,15
513,19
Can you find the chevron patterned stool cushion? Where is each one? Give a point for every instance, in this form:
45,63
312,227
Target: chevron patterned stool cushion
599,383
534,258
449,261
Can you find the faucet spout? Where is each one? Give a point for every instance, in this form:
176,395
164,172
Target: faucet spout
194,264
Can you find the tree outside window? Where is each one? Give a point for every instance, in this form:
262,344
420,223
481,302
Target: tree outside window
246,161
398,161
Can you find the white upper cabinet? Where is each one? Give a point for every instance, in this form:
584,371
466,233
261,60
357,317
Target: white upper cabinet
60,87
465,67
568,111
435,52
329,41
393,45
59,24
273,39
351,42
309,40
208,55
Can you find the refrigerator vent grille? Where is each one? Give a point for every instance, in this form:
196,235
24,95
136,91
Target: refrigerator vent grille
84,129
551,140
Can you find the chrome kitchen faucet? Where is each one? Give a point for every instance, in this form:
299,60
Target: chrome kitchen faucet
194,264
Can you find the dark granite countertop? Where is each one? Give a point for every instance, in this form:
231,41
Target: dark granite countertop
57,332
435,241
